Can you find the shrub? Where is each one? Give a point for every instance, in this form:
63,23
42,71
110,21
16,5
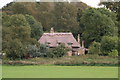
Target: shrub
15,50
108,44
59,51
114,53
44,51
95,48
37,51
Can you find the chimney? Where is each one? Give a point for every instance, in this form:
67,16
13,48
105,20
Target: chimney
78,38
52,30
83,44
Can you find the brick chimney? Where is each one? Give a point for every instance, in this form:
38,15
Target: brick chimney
52,30
83,44
78,39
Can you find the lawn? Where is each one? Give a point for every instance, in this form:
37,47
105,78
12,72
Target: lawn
43,71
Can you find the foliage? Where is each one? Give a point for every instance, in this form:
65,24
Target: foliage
49,14
59,51
19,8
18,20
15,49
16,36
108,44
37,51
94,48
95,25
68,17
113,6
44,51
89,60
36,27
113,53
25,23
107,12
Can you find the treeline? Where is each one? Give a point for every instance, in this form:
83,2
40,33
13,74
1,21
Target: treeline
24,23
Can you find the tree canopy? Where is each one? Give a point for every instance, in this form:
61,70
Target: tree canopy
17,35
96,24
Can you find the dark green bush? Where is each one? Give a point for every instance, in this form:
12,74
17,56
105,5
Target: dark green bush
15,50
59,51
108,44
95,48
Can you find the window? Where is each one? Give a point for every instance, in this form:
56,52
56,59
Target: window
70,43
59,43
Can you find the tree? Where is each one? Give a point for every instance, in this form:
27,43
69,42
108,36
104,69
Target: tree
16,36
95,25
36,27
114,7
66,18
16,50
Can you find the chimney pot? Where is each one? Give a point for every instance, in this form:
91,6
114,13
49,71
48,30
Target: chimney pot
79,39
52,30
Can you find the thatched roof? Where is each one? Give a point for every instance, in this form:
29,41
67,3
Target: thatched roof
54,39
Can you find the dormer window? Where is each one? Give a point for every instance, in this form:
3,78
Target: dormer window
47,43
69,43
59,42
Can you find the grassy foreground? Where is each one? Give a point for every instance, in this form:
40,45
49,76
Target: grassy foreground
36,71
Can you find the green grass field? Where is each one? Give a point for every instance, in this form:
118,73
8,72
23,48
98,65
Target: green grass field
59,72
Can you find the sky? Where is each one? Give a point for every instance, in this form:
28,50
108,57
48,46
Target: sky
93,3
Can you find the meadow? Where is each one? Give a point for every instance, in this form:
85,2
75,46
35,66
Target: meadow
52,71
89,66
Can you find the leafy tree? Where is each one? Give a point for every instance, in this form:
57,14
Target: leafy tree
45,15
114,7
65,18
36,27
15,49
108,44
16,36
95,25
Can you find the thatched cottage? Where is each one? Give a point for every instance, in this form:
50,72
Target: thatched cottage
53,39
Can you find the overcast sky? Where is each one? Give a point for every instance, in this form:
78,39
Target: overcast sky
93,3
